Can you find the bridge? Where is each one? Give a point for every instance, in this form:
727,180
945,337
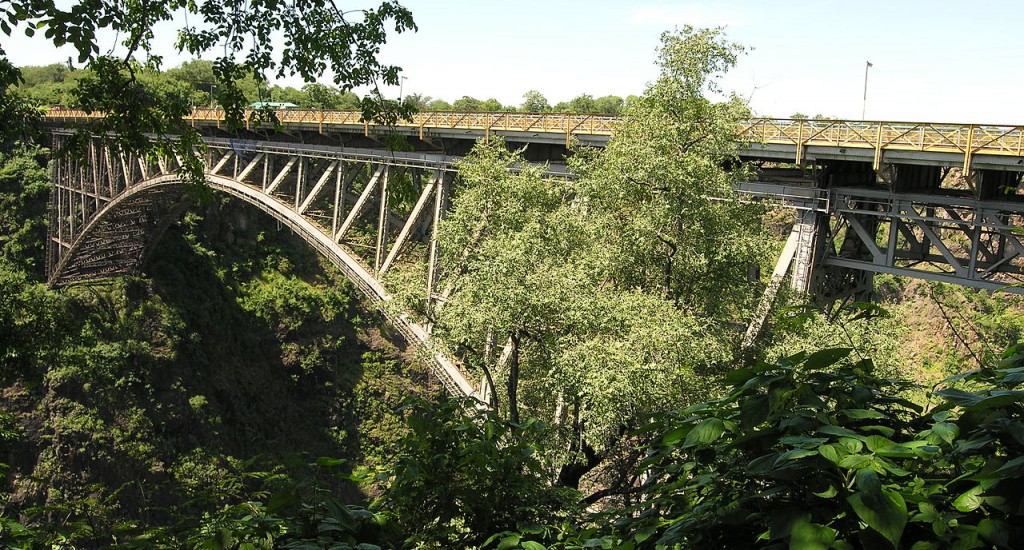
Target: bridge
940,202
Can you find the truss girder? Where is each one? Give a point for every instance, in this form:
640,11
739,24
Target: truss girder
108,209
965,241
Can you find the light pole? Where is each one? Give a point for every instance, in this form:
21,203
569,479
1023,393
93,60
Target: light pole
864,108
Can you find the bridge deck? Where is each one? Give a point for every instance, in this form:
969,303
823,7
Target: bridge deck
785,140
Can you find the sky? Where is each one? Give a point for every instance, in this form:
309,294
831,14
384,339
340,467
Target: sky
932,60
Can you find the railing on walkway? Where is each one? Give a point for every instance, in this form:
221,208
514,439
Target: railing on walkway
965,140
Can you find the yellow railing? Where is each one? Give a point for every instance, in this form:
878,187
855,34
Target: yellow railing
962,139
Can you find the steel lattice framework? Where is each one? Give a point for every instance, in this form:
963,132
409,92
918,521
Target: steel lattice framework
108,209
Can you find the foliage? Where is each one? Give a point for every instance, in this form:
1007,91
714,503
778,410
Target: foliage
596,301
462,473
148,120
870,329
134,396
24,196
816,451
661,186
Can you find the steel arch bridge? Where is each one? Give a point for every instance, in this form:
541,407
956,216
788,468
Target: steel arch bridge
109,209
871,197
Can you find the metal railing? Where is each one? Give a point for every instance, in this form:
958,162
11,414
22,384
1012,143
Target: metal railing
965,140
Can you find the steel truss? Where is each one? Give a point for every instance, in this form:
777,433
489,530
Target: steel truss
959,240
108,209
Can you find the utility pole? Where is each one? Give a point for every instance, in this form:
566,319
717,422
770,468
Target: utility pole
864,108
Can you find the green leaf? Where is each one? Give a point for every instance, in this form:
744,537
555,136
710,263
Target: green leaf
795,454
861,414
826,357
969,500
1013,468
995,532
959,397
704,433
945,431
509,542
805,535
531,545
868,482
827,493
830,453
675,436
856,462
885,512
837,431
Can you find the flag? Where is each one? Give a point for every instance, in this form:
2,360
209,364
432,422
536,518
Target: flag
870,64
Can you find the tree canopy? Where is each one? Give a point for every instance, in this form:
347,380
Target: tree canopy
316,38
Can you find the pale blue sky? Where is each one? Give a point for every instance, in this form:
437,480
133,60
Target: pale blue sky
939,60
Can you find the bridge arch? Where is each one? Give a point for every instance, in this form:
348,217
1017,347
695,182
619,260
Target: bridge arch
95,233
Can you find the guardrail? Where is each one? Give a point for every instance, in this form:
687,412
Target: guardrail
967,140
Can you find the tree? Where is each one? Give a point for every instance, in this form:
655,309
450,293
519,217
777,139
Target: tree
439,105
24,197
818,451
466,104
609,105
463,473
596,302
535,102
491,105
659,185
318,35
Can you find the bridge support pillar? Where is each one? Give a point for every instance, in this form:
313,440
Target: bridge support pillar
830,283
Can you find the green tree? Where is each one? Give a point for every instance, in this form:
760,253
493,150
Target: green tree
535,102
439,105
464,473
491,105
609,105
318,34
659,185
24,196
466,104
596,302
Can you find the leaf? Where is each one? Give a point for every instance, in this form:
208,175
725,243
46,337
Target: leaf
945,431
995,532
830,453
856,462
868,482
970,500
838,431
806,535
675,436
885,512
959,397
1012,469
861,414
827,493
825,358
531,545
704,433
509,542
795,454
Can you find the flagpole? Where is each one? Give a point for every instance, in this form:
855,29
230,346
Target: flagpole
864,108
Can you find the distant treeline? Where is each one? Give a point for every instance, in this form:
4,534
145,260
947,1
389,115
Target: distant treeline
55,85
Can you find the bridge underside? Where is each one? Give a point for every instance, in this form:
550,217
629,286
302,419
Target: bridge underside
916,220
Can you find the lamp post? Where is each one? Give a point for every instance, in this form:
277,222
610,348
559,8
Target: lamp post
864,108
